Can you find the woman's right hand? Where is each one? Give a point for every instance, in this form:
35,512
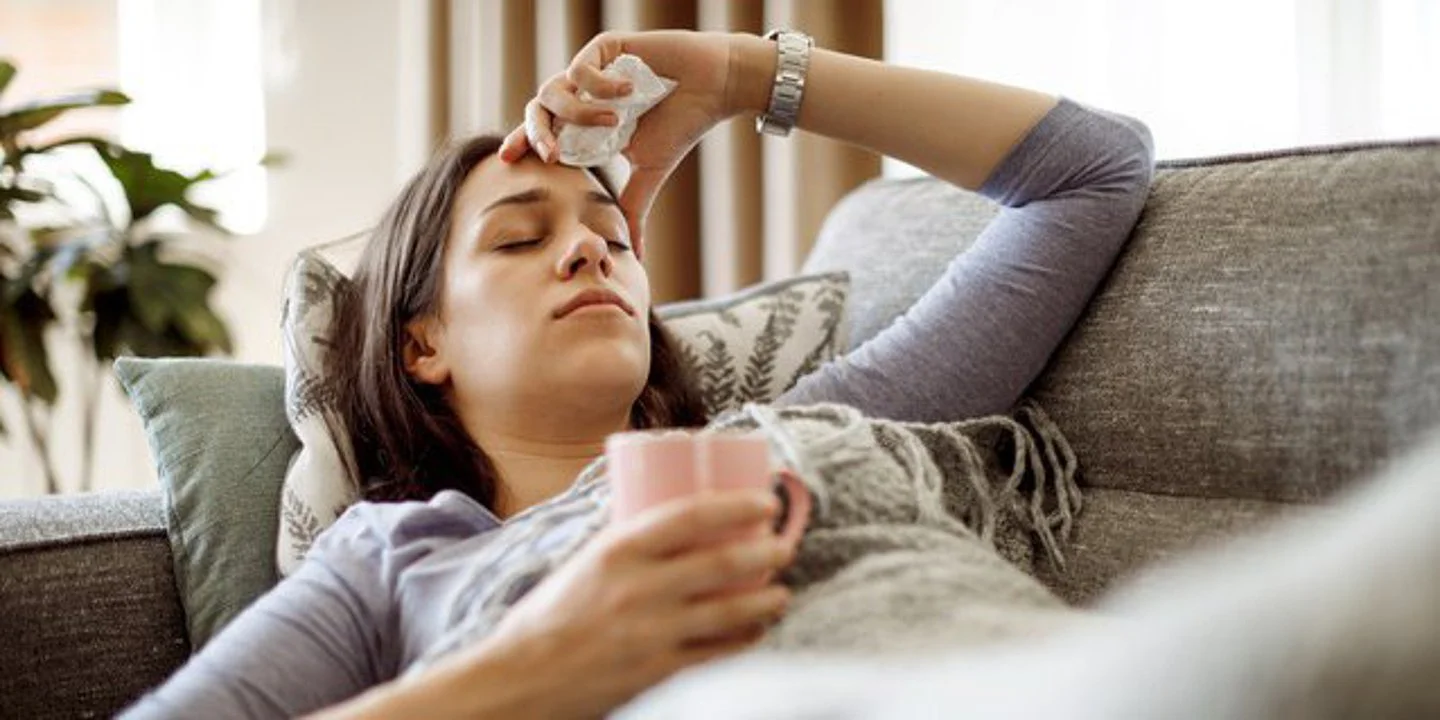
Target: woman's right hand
715,83
643,600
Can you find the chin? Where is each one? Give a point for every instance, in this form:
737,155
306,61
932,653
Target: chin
622,366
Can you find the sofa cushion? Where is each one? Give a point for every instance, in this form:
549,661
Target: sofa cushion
1123,532
1268,334
88,607
933,220
218,434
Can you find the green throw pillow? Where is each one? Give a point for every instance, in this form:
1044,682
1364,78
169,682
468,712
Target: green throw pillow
221,443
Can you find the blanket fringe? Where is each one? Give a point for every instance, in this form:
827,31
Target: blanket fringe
1040,453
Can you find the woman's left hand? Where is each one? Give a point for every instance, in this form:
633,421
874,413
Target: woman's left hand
706,67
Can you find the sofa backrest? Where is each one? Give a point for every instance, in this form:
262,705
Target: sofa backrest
1272,330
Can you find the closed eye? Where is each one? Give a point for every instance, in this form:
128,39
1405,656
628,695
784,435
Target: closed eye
520,244
618,246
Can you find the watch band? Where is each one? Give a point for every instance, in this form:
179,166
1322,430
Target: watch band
791,66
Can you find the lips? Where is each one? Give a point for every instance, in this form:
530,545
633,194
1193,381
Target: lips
594,296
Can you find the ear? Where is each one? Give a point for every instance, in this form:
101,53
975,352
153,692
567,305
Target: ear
423,359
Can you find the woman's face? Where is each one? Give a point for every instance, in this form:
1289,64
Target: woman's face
544,304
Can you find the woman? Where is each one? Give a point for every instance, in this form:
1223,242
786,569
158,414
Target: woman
500,328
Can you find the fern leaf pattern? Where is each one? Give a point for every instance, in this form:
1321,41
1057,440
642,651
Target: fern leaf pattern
830,300
311,396
318,284
727,316
759,379
688,356
301,523
717,375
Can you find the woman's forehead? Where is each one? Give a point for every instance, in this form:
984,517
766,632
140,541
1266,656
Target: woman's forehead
494,179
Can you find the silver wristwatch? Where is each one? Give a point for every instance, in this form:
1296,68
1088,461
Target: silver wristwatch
790,69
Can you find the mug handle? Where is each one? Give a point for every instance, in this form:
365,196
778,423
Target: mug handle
795,507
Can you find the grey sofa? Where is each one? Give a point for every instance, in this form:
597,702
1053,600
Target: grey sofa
1271,334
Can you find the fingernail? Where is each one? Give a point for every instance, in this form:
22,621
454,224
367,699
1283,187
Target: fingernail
610,119
625,87
547,151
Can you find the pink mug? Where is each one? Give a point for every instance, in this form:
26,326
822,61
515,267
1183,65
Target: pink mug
647,468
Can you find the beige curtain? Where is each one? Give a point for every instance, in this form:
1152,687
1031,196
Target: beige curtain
740,209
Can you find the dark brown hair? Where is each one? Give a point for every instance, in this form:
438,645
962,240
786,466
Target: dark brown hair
407,442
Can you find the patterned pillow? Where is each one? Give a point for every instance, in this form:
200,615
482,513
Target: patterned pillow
754,345
748,347
316,490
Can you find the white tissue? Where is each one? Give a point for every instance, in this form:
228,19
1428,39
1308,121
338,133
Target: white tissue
595,145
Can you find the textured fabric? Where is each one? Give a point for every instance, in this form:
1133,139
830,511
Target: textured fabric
1272,328
88,607
1332,617
912,549
218,434
315,489
765,340
933,220
45,520
1123,532
1070,191
914,540
1269,329
747,347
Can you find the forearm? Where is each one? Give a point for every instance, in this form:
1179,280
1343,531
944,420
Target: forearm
1071,191
481,683
908,114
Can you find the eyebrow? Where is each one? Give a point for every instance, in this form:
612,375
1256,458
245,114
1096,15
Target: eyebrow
535,195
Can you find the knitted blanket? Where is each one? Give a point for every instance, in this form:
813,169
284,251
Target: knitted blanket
921,535
1328,615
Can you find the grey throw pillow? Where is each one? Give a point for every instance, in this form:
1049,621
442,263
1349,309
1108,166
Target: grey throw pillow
218,434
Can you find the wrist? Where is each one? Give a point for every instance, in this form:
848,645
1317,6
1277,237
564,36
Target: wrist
479,682
752,73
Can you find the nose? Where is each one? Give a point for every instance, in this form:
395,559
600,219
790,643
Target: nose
587,250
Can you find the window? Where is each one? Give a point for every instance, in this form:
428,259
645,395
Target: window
192,68
1214,77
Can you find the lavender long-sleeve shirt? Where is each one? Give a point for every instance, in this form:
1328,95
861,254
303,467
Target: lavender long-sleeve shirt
377,588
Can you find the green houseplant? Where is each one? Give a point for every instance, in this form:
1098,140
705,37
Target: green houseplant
82,260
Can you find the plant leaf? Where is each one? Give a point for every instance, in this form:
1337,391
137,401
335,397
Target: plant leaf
165,309
111,307
98,143
149,187
7,73
23,358
12,193
204,215
203,328
149,301
32,115
274,159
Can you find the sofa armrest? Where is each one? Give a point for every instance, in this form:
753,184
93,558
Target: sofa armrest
89,612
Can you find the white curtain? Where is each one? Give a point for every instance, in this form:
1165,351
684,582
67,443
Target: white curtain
1208,77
